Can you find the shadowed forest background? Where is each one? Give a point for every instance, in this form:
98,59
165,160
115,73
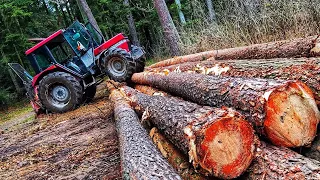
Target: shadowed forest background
228,23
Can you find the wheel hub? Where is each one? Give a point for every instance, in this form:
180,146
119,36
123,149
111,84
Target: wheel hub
116,66
60,93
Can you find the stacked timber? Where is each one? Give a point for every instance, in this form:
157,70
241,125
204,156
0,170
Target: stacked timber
270,162
302,47
306,70
284,111
219,141
208,108
140,158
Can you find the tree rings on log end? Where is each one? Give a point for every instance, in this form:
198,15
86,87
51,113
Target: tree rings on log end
227,147
292,115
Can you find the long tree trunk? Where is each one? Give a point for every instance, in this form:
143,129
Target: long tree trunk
273,162
84,5
169,29
181,15
302,47
179,161
132,26
211,11
303,69
66,20
284,111
218,140
140,158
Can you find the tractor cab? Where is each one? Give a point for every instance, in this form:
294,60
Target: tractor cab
68,62
72,48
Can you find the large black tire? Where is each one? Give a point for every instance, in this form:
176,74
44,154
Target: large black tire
119,65
60,92
89,93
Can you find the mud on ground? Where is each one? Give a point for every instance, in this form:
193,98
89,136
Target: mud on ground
81,144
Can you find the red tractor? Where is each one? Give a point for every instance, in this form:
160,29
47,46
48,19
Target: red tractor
71,62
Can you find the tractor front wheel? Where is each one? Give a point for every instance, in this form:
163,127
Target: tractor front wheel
60,92
119,65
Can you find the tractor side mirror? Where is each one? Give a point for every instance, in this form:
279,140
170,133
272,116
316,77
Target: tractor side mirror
76,36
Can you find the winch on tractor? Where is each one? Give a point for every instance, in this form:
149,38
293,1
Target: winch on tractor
71,62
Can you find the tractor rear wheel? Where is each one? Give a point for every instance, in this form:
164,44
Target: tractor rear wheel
119,65
60,92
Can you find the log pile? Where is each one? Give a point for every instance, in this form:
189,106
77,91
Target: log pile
302,47
230,113
138,153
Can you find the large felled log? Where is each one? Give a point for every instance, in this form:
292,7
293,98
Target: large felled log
302,47
306,70
219,141
270,162
179,161
273,162
140,158
284,111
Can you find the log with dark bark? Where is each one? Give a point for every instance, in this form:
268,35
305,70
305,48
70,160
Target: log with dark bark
219,141
306,70
284,111
177,159
273,162
302,47
140,158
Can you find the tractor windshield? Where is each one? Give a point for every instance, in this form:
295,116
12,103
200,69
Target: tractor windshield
97,37
78,38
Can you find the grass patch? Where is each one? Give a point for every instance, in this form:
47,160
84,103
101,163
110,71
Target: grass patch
14,112
150,61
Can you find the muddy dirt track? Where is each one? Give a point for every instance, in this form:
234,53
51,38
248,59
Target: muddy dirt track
81,144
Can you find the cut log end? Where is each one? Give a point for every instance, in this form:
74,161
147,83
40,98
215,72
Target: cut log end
227,147
292,115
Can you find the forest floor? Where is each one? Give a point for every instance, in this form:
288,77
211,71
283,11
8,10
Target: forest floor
81,144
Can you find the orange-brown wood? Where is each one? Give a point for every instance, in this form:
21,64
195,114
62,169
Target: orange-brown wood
218,140
284,111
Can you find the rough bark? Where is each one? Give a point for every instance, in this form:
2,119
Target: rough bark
178,160
302,47
140,158
273,162
306,70
84,5
132,26
170,31
284,111
219,141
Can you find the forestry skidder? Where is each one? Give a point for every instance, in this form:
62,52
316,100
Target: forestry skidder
69,63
